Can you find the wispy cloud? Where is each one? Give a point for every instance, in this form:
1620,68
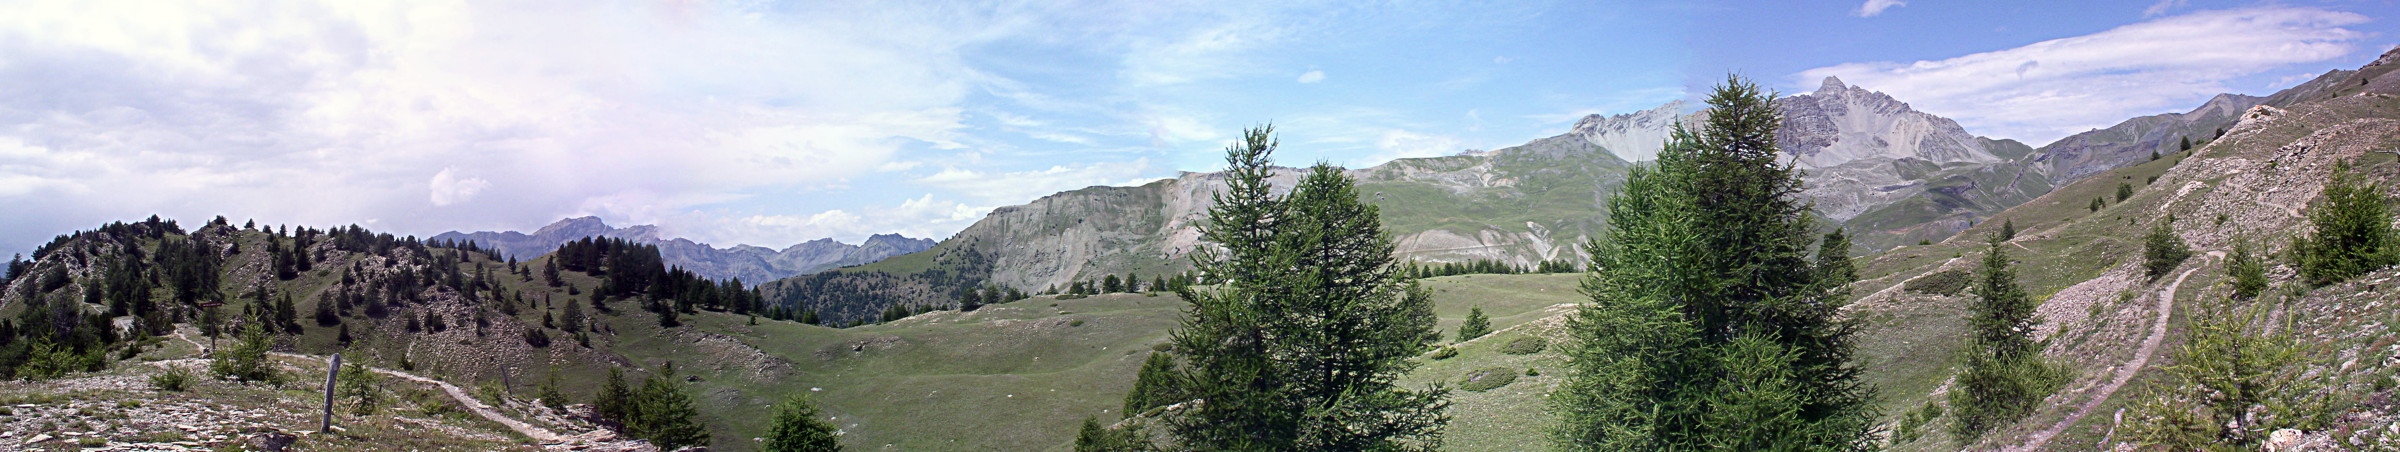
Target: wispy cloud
1312,77
1874,8
2163,7
2050,89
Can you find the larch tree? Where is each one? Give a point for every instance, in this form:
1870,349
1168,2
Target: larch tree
2004,375
799,427
2350,231
1709,325
1475,326
1300,346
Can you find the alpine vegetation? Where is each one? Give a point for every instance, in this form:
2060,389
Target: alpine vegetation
1709,325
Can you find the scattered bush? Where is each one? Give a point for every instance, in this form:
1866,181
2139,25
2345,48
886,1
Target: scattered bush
247,360
2162,250
173,379
2350,232
1076,322
1531,372
1524,346
1912,425
1946,283
1488,379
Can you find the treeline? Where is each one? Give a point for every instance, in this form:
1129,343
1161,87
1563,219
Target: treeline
629,269
1487,267
1130,283
851,297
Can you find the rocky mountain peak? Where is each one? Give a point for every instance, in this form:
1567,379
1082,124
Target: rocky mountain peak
1832,84
579,227
1633,136
1839,124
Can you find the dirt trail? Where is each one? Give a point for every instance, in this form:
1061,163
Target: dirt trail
538,434
2124,373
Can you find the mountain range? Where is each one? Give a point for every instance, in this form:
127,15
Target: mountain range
751,264
1889,174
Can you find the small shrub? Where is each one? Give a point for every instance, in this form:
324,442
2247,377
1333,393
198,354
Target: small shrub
91,441
1488,379
1076,322
1445,353
1524,346
174,379
2162,250
1531,372
1946,283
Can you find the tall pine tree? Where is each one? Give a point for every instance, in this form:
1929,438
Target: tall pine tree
1298,349
2003,375
1709,324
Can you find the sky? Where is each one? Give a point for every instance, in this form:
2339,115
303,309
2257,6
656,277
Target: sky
773,123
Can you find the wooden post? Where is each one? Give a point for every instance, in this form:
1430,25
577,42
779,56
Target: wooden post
335,370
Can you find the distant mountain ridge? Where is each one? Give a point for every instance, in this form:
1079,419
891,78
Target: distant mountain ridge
751,264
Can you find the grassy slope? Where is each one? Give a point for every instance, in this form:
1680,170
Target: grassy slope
1020,376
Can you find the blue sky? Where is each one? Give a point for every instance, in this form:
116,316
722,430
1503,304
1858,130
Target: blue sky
773,123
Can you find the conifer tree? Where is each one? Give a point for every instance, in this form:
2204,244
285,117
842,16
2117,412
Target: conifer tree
1299,348
2124,190
2350,231
799,427
1709,325
2008,230
1833,259
2003,375
1155,386
2235,378
1094,438
2247,269
1475,326
2162,250
665,416
614,401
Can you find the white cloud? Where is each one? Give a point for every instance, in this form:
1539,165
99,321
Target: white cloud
2163,7
1312,76
1873,8
2050,89
1019,187
448,188
1399,144
922,217
329,112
